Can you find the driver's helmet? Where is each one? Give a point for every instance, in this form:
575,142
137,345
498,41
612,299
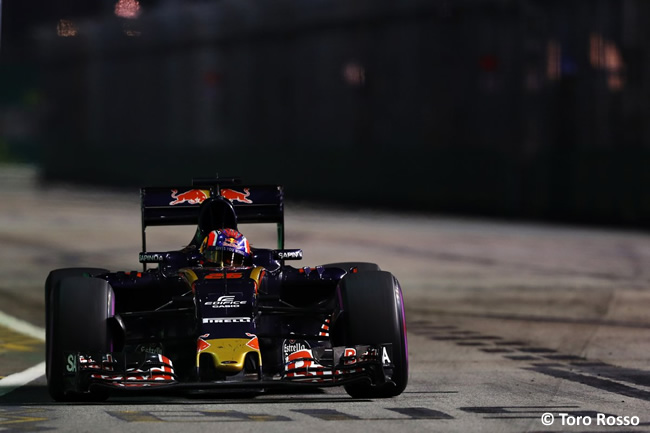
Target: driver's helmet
225,248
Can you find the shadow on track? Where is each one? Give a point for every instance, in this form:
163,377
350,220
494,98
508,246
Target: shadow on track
37,395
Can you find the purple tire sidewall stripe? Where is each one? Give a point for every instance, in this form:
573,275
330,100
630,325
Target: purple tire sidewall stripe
111,313
401,306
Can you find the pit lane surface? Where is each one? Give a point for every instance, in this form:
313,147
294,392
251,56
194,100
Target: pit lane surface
506,321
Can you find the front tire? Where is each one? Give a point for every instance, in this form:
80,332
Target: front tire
80,308
372,313
52,281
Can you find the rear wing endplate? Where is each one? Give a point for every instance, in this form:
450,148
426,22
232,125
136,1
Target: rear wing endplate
180,205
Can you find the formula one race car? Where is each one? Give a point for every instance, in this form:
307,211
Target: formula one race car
220,314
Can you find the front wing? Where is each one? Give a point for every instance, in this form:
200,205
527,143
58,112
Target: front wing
316,367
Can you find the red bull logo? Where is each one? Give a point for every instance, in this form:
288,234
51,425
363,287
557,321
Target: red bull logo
233,195
193,196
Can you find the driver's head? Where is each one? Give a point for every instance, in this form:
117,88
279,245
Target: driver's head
225,248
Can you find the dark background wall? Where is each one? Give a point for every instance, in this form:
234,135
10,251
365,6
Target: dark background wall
526,109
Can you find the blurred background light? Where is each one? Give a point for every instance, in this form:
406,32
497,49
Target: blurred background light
127,9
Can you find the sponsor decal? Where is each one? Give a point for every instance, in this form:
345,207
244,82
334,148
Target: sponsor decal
151,258
302,364
72,363
234,195
225,301
155,348
292,346
221,276
289,254
193,196
384,357
227,320
350,356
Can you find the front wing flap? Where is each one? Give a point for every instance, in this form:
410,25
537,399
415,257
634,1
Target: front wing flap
310,365
123,370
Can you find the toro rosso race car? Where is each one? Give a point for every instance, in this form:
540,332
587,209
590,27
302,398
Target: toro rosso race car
220,314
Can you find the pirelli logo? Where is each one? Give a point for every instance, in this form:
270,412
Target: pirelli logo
227,320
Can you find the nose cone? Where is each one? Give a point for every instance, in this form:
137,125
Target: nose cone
228,354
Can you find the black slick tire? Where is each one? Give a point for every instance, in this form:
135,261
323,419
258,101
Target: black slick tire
53,280
79,312
360,266
372,312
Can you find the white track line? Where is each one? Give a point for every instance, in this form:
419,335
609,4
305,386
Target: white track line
21,326
16,380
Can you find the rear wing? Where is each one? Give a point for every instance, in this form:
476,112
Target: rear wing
180,205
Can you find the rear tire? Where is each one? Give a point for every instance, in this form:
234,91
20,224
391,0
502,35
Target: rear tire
347,266
372,312
79,312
